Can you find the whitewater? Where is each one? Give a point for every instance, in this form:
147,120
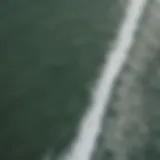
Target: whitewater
90,128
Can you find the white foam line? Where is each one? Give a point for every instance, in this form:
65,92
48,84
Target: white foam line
90,127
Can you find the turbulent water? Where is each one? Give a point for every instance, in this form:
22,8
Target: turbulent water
91,124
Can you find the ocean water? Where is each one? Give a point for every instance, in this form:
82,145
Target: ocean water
51,54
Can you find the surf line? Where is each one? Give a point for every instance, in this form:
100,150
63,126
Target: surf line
83,146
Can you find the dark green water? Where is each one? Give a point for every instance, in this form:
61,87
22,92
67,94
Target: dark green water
50,53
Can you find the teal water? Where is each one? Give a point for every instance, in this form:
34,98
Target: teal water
49,57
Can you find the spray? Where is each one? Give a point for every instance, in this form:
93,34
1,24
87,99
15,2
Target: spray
83,145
